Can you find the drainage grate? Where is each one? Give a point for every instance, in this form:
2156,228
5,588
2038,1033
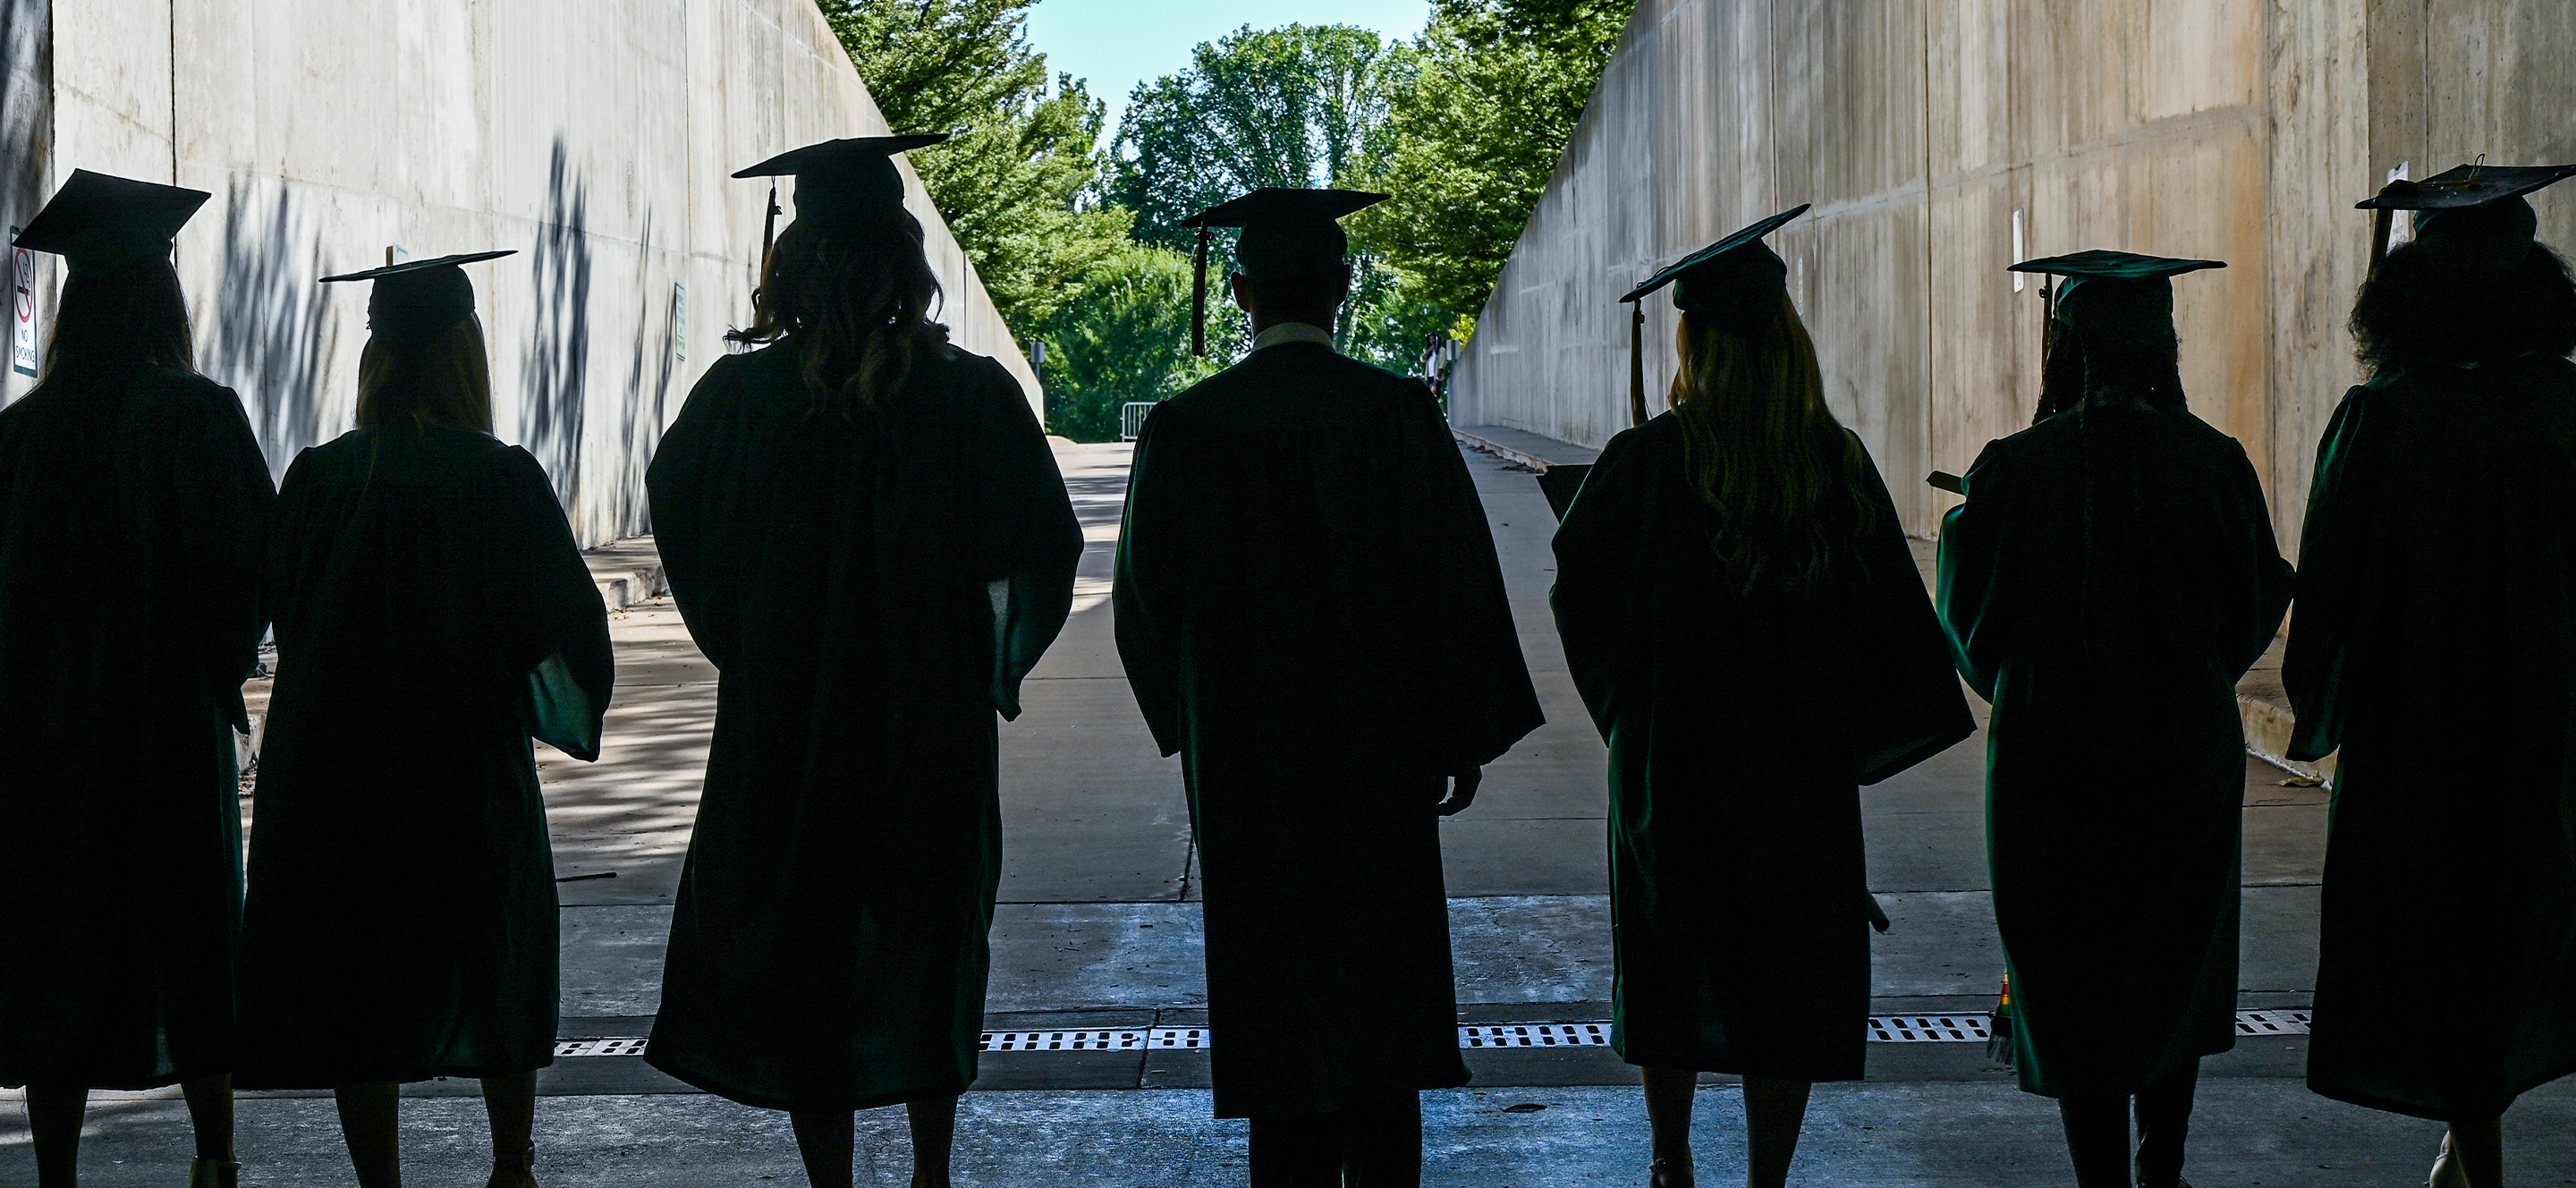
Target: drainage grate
599,1047
2271,1022
1192,1038
1127,1040
1927,1029
1535,1035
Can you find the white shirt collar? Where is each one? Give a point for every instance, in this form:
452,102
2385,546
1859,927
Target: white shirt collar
1292,332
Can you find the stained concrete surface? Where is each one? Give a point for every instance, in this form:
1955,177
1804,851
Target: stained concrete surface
1099,928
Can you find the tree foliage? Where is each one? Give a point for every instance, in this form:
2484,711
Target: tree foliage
1477,128
1127,338
1301,105
1011,188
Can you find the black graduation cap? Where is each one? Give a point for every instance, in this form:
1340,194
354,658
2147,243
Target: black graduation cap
855,176
420,297
1737,281
97,215
1286,232
2474,215
2116,294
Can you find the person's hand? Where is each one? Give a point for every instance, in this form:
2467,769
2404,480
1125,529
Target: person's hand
1461,791
1877,915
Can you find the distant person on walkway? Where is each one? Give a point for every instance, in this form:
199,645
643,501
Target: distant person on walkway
1311,614
1745,620
2109,579
867,533
2435,644
433,615
134,509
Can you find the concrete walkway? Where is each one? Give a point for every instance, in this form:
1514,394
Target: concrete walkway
1099,929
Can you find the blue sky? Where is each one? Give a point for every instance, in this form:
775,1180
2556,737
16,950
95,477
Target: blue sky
1119,43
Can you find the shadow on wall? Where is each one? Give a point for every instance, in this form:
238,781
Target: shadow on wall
269,326
550,419
648,389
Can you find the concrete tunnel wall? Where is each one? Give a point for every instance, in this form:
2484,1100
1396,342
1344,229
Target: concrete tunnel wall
2240,130
594,136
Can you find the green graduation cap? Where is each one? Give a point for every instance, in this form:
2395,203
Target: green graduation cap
1737,280
855,176
1735,283
1287,232
2120,295
2473,216
97,216
420,297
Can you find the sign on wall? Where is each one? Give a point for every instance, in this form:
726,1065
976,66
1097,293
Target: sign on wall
22,273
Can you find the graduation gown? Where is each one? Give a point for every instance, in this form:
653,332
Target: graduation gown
432,614
132,519
873,591
2109,579
2435,644
1740,730
1311,614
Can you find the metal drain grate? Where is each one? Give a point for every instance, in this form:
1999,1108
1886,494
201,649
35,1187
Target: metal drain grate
599,1047
1928,1029
1126,1040
2271,1022
1535,1035
1192,1038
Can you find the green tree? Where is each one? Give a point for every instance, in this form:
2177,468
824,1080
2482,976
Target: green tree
1298,106
1127,338
1478,128
1011,188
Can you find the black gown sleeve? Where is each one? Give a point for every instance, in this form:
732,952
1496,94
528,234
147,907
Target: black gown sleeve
1600,572
2332,548
697,491
1147,590
1031,542
1910,707
570,678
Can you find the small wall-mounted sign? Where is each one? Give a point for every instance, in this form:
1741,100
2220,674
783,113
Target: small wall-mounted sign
22,341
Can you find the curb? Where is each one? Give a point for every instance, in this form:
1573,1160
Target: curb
627,571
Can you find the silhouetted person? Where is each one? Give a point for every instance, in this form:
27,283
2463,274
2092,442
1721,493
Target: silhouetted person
1745,620
134,508
432,615
2435,644
1311,614
868,535
2109,579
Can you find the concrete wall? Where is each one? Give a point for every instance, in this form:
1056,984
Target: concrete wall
594,136
2241,130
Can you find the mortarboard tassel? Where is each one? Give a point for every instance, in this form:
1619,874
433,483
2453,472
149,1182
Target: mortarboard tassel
769,231
1999,1031
1636,363
1198,299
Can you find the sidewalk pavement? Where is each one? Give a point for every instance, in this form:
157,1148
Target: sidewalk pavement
2260,699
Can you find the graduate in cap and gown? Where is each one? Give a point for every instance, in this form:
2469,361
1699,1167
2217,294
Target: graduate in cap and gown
2435,645
120,823
1745,621
433,614
2110,577
866,531
1311,615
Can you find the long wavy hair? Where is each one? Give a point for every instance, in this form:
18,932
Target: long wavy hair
2418,308
2107,371
116,318
852,299
1788,483
441,380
